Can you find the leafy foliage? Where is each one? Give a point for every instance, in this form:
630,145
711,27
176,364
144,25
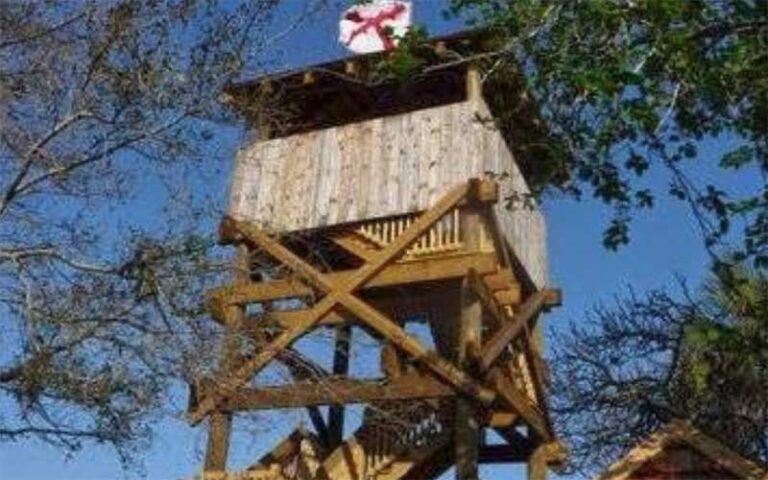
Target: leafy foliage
406,60
104,107
627,86
634,367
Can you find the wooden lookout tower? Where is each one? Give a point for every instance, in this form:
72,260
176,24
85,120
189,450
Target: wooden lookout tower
366,204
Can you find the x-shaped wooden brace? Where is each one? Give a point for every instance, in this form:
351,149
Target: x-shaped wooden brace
511,328
341,294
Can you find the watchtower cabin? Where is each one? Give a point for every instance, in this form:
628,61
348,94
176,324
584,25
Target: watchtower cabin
367,202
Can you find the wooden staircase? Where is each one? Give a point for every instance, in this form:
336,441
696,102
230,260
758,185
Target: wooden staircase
392,442
389,444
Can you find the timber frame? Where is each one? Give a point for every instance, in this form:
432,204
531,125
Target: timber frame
496,379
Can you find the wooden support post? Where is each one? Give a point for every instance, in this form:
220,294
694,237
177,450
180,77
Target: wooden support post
220,424
474,84
466,426
537,464
318,423
496,345
545,455
217,448
519,402
340,367
427,270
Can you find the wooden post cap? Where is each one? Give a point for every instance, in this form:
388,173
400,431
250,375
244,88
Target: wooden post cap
229,232
484,190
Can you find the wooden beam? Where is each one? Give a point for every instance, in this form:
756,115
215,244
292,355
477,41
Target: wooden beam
405,342
340,367
417,271
491,454
540,378
510,330
289,318
500,244
510,296
249,368
474,84
220,424
337,391
341,293
539,366
240,294
501,418
217,448
499,342
390,362
466,431
485,295
484,192
547,454
520,403
500,280
353,246
554,298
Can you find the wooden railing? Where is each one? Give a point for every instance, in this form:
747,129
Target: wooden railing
444,236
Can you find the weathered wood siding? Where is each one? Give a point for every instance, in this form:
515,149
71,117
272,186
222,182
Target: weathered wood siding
385,166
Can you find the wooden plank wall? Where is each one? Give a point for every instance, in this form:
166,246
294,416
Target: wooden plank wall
381,167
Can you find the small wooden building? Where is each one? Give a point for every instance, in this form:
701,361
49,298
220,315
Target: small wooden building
334,144
680,452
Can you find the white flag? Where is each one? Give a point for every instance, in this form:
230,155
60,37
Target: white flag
374,26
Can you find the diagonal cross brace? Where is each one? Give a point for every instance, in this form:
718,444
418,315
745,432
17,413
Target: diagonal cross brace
510,329
341,294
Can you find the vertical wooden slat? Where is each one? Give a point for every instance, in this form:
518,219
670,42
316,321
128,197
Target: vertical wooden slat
347,146
382,167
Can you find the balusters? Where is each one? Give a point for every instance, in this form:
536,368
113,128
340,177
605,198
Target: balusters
387,439
456,228
443,236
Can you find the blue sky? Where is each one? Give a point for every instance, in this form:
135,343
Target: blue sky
664,243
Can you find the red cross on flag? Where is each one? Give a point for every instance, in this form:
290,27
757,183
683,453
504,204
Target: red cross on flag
374,26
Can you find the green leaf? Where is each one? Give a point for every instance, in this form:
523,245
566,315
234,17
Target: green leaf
735,159
637,163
